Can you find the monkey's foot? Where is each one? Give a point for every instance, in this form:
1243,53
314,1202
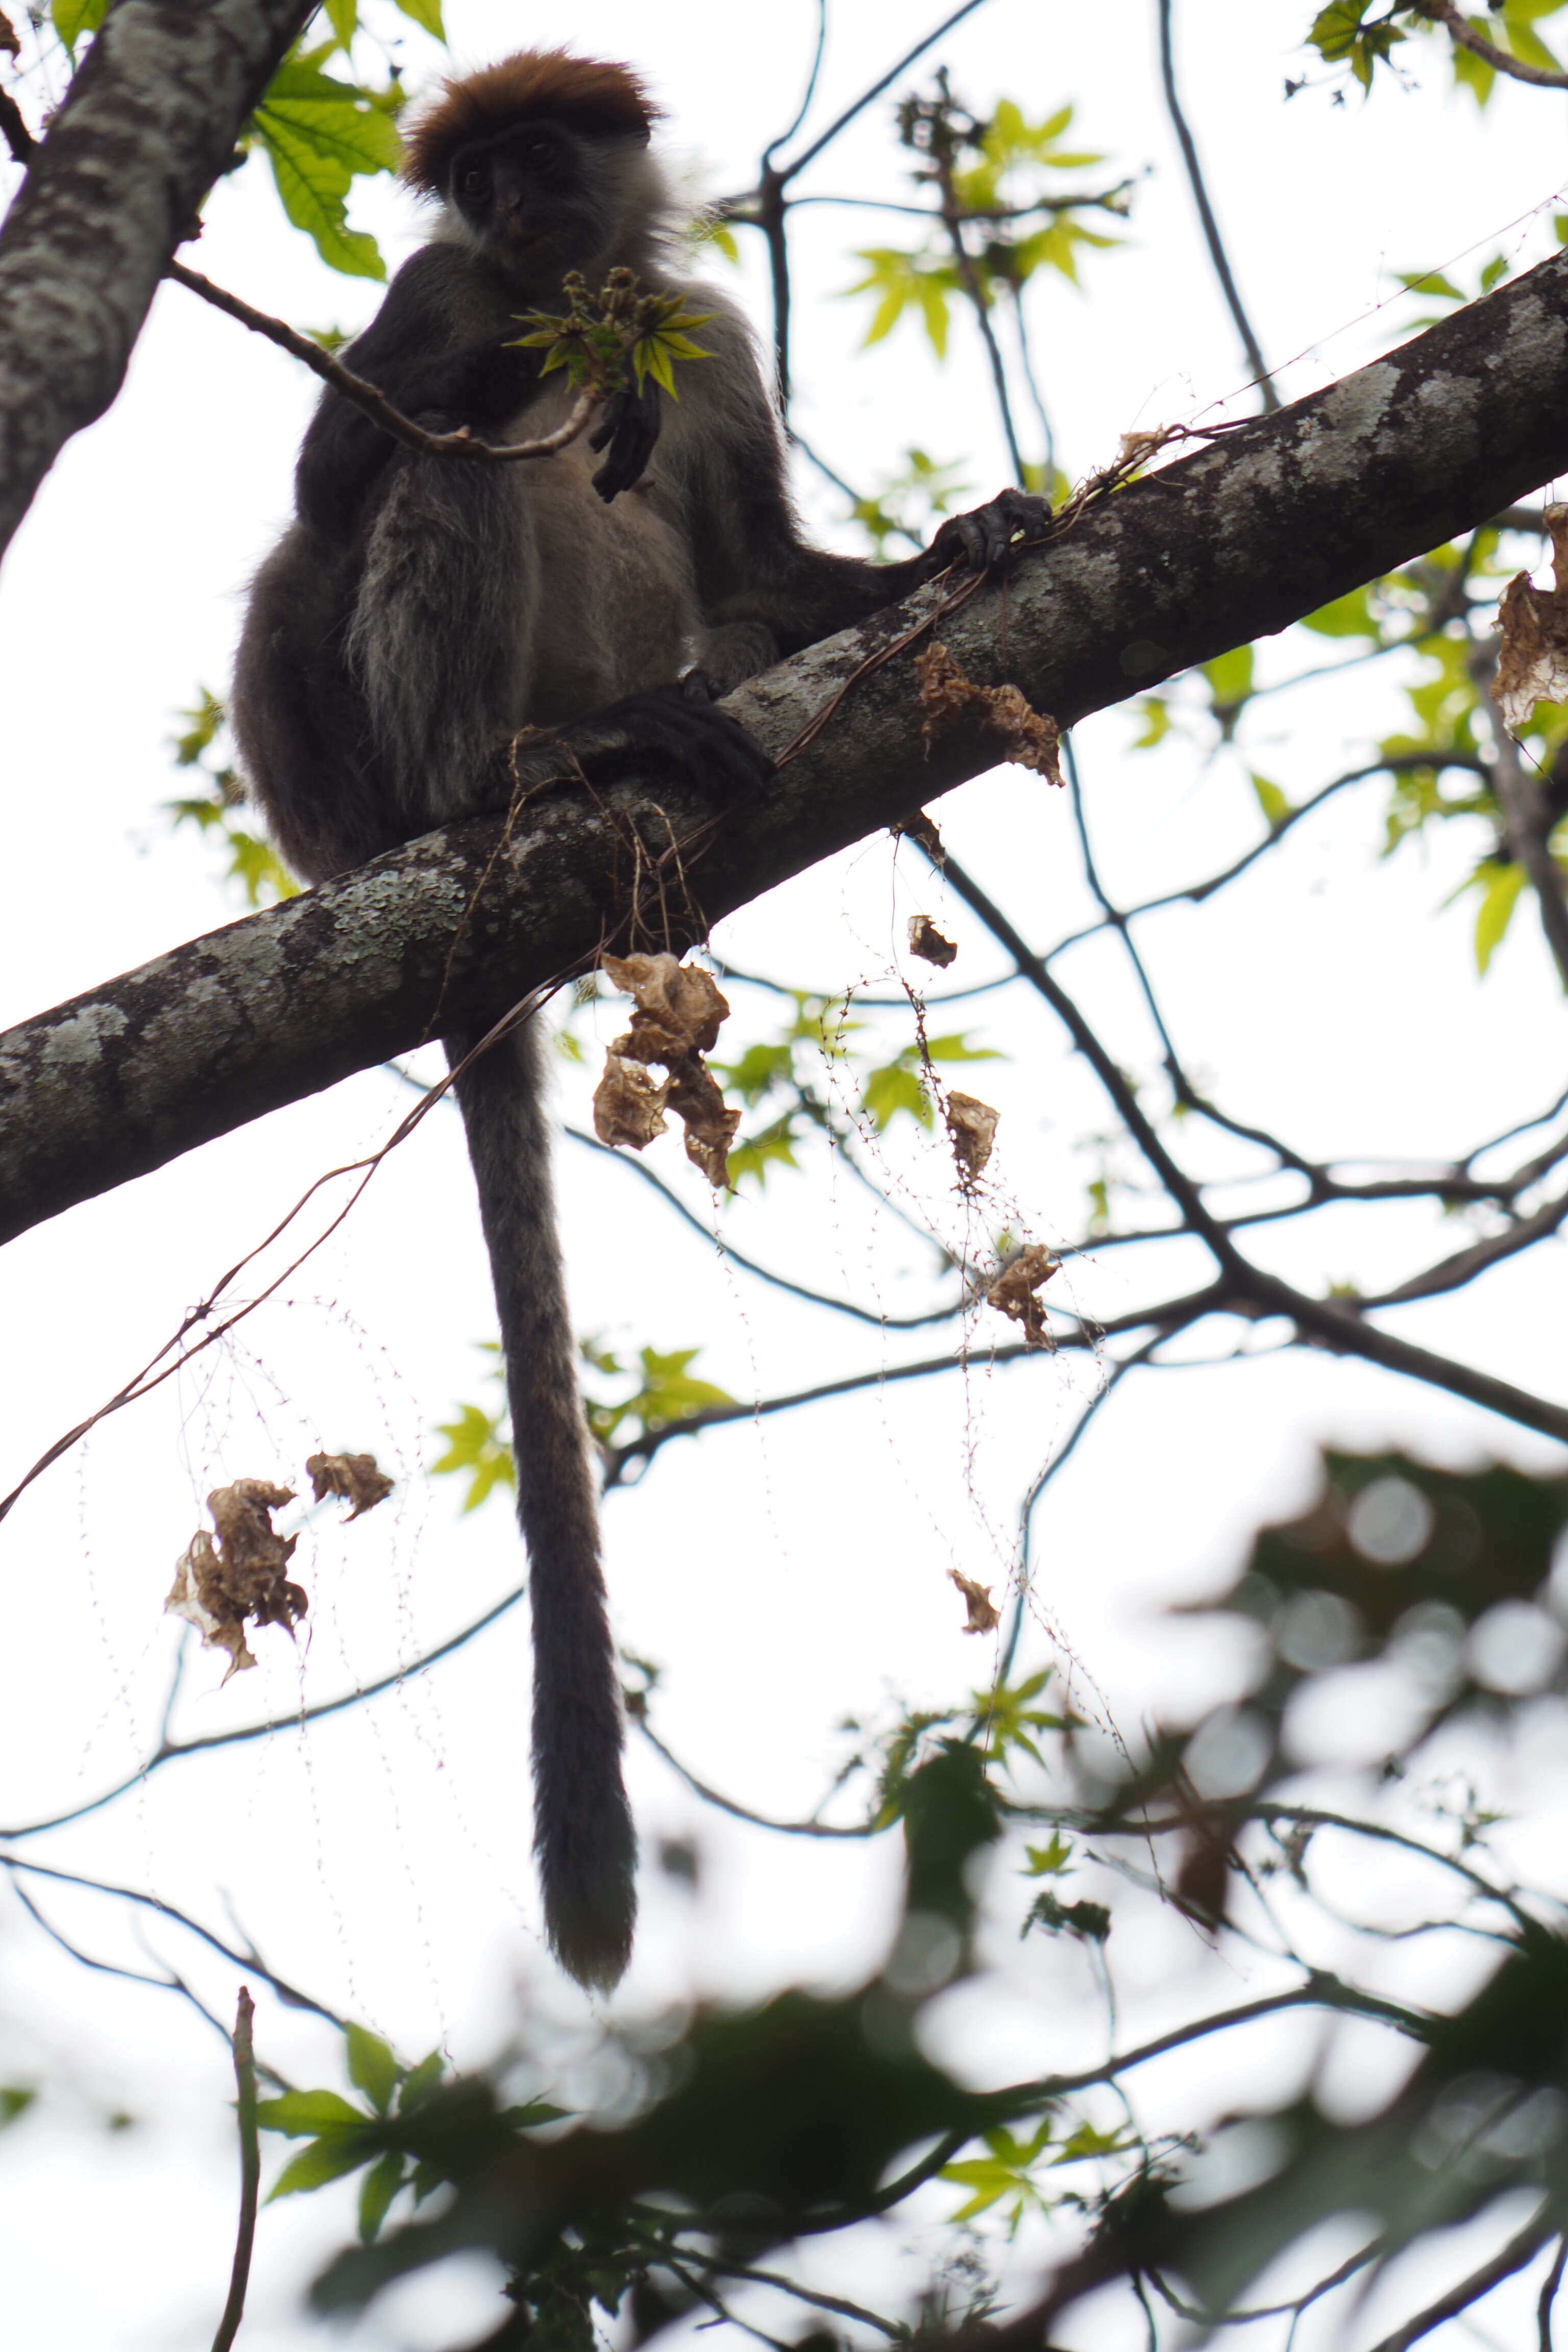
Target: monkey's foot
978,540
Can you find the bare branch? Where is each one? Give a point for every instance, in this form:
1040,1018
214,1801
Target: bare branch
249,2172
374,402
1502,62
1222,269
1521,2248
1209,552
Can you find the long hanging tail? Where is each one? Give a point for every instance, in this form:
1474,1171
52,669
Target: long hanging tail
584,1837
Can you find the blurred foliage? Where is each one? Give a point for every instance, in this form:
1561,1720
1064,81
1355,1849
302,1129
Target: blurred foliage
719,2142
1362,35
993,176
202,746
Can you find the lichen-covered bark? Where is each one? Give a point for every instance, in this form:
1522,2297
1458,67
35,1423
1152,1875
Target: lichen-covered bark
1241,538
147,124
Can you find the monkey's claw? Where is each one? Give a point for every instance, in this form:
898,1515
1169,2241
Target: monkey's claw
978,540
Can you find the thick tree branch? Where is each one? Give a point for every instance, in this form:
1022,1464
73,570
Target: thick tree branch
1284,514
146,126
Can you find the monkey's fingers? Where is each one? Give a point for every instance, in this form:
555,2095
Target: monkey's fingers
978,540
629,430
672,728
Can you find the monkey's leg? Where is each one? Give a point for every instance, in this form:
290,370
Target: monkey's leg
584,1837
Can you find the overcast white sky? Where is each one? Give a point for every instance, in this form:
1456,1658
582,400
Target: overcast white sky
785,1573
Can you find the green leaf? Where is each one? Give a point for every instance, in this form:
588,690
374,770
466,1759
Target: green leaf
418,2086
1499,887
372,2068
319,134
14,2101
1271,801
305,2114
957,1048
343,16
426,13
770,1147
890,1090
72,18
1230,676
1346,616
322,2160
380,2186
1155,713
475,1445
1051,1861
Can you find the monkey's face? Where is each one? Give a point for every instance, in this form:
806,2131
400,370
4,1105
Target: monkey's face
541,198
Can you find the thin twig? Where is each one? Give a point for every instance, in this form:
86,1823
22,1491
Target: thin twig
374,402
249,2172
842,122
1521,2248
1502,62
1548,2286
1222,269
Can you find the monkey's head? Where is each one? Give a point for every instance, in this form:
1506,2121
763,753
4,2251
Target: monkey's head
541,161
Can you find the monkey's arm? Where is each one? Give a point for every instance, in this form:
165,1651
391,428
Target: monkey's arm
410,352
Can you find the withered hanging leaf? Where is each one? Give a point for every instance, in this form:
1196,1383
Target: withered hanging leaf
679,1007
695,1098
218,1586
679,1012
971,1129
984,1616
628,1101
1029,738
354,1477
1532,666
920,827
927,942
1012,1293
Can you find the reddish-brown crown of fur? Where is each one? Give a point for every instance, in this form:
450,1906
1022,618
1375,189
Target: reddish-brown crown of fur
601,99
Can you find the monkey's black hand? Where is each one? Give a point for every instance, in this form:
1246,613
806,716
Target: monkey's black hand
677,728
628,430
976,541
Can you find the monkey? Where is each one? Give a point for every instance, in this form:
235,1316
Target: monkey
419,615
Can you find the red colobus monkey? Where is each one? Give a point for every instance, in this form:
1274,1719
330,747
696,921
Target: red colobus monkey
419,612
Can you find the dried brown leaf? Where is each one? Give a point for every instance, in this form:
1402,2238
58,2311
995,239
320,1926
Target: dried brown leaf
971,1129
695,1098
984,1615
1013,1292
354,1477
1532,666
927,942
679,1005
922,826
1029,738
628,1101
218,1586
677,1017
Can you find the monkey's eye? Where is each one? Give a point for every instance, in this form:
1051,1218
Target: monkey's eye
475,180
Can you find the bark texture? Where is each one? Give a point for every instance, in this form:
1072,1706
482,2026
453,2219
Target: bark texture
147,125
1241,538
